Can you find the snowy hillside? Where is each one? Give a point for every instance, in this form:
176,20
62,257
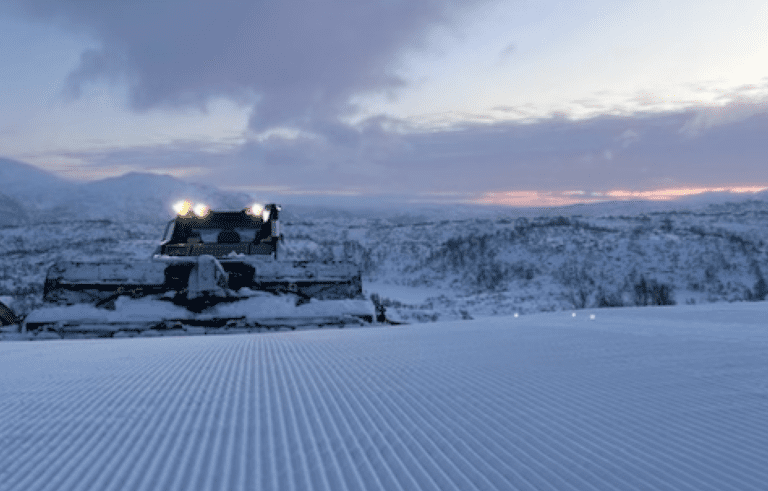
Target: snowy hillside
670,398
426,262
434,269
468,267
12,212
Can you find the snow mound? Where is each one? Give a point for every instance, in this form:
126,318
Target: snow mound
126,309
258,307
273,306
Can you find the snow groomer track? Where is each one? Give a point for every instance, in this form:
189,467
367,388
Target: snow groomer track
664,398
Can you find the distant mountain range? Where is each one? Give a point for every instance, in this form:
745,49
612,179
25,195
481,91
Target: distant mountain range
28,193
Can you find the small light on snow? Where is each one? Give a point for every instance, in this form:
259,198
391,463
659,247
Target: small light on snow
573,314
516,314
591,316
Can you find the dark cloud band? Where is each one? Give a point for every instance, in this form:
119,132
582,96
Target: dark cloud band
299,60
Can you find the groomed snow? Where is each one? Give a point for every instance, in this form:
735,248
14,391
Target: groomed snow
644,398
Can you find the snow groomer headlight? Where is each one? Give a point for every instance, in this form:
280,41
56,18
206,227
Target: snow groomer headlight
201,210
257,210
182,207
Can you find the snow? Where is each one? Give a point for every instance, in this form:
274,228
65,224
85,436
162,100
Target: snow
634,398
126,309
433,263
401,293
260,307
611,398
266,305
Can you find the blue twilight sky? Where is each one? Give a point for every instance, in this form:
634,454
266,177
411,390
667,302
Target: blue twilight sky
519,102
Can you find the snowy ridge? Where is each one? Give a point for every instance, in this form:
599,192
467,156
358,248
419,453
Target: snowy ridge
34,195
31,186
548,401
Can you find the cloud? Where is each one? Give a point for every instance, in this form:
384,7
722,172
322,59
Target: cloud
732,112
508,52
95,65
628,137
385,156
300,61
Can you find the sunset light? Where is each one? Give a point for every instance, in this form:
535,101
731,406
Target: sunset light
562,102
565,198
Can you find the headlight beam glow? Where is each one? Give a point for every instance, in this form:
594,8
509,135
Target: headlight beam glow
182,207
201,210
256,209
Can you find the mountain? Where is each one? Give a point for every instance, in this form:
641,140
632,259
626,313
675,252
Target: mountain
141,197
34,188
30,193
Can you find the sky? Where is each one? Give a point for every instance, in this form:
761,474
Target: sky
486,101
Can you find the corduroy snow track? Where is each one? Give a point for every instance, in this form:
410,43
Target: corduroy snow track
659,399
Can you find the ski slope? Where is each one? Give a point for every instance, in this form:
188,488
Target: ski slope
639,398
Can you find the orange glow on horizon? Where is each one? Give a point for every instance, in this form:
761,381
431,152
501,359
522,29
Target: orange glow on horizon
532,198
666,194
565,198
